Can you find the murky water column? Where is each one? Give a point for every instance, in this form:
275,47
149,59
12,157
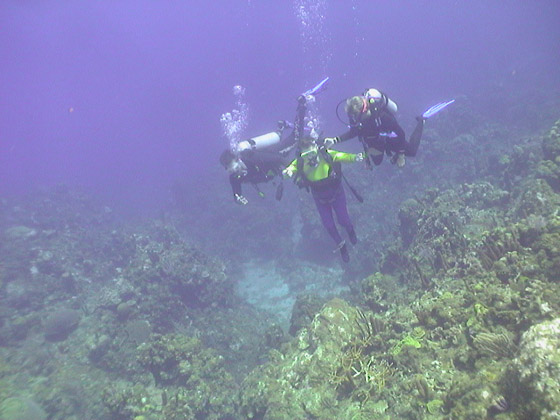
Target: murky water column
313,118
315,42
359,39
234,123
315,39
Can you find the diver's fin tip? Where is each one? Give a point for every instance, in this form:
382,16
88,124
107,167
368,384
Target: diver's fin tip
436,108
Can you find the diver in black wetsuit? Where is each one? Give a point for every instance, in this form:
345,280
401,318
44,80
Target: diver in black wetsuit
262,158
371,118
252,167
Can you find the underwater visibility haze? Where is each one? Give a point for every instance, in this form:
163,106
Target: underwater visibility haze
140,280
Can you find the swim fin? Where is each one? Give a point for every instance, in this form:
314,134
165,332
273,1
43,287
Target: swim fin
317,89
279,191
433,110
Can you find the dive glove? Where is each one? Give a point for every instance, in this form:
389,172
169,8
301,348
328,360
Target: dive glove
239,199
330,141
288,172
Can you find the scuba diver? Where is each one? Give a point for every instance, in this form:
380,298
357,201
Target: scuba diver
319,170
371,117
260,159
252,166
257,160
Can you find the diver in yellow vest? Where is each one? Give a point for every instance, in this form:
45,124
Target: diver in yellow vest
319,169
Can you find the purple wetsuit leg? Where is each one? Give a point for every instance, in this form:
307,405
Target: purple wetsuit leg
341,210
325,211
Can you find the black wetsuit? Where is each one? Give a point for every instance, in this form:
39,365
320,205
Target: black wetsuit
382,132
264,165
261,167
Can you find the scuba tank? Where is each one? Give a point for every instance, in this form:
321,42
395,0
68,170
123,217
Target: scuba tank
259,142
378,98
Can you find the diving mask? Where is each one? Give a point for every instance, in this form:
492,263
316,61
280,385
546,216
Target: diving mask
311,156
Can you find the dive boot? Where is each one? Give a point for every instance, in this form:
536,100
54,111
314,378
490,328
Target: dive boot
352,237
343,251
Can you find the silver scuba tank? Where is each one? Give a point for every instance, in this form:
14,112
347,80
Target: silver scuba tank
374,95
259,142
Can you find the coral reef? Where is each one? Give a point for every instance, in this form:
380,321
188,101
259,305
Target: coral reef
162,257
304,310
17,408
537,370
61,323
198,374
549,168
328,371
452,312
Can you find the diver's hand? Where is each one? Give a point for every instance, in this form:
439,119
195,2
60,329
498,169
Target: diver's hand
330,141
288,172
239,199
360,157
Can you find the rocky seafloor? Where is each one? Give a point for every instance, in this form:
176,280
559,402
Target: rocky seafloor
450,308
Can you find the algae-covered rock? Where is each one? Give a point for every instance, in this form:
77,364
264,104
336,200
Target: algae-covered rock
327,372
549,168
551,143
373,293
195,376
536,198
299,383
543,236
538,368
61,323
179,270
409,213
303,311
470,397
15,233
550,171
17,408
